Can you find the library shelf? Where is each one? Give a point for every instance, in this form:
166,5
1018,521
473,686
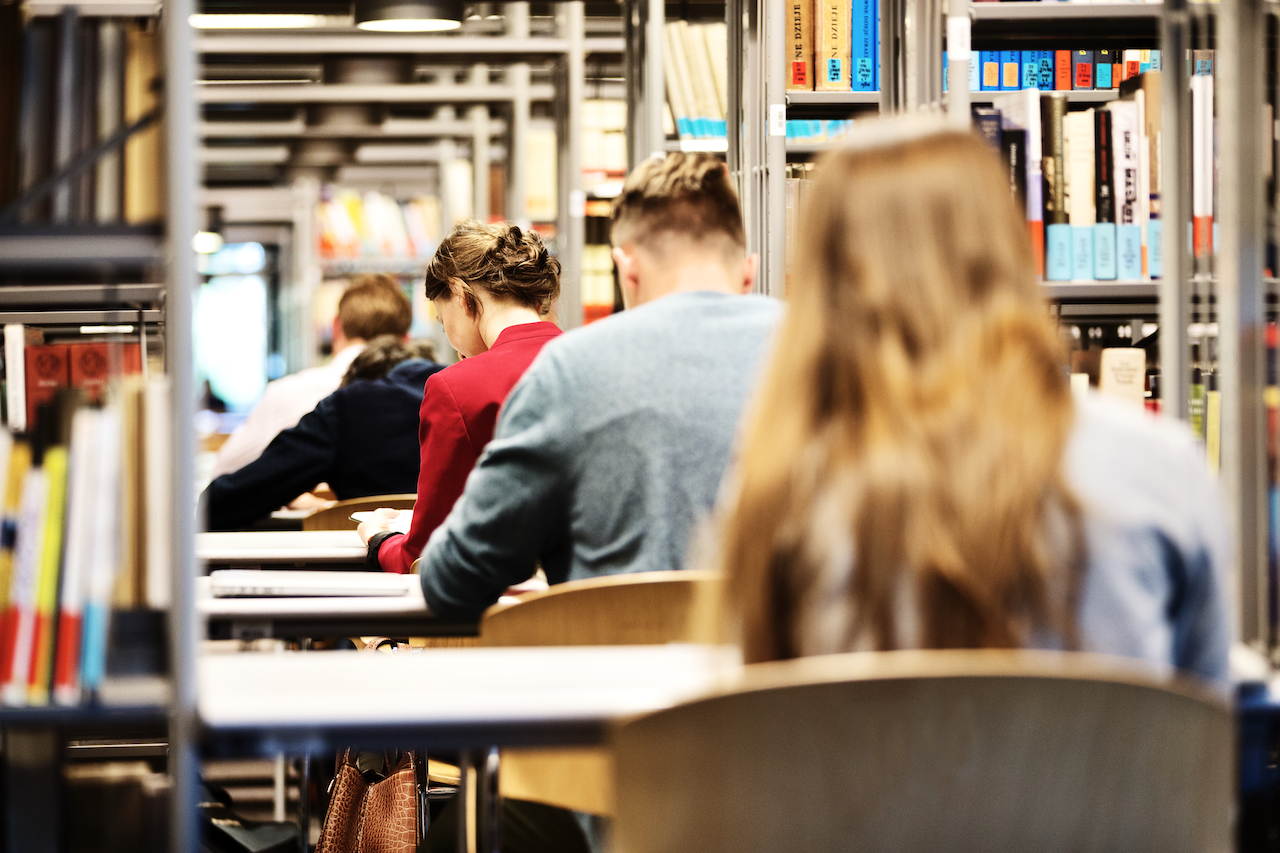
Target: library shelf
1075,291
312,43
62,295
390,129
78,250
354,266
1050,11
833,99
711,146
354,93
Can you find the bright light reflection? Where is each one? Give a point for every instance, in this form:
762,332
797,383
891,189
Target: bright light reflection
256,22
410,25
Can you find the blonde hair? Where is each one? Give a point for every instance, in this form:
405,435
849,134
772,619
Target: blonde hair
507,262
911,429
684,195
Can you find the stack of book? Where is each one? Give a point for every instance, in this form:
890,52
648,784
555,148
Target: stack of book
1090,179
833,45
604,146
355,225
65,110
1057,70
695,60
84,529
815,131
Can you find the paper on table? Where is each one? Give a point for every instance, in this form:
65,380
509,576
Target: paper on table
399,524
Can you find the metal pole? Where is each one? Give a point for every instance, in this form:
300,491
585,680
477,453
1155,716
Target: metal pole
479,116
63,139
773,20
959,39
571,206
1241,320
1175,209
181,190
654,79
734,88
517,15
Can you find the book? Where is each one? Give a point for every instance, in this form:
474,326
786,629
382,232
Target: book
1150,85
47,370
1104,231
1132,59
105,558
1082,69
987,123
676,80
49,573
143,187
15,361
1202,165
975,71
1077,140
800,45
1013,151
1125,144
1010,71
1021,112
1122,374
15,669
108,174
1057,226
1045,75
1102,69
158,496
832,22
1062,70
1030,64
990,75
19,463
89,365
864,44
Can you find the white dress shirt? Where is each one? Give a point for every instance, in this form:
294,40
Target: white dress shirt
282,405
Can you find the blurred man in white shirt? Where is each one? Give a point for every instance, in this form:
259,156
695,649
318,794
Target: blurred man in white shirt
375,305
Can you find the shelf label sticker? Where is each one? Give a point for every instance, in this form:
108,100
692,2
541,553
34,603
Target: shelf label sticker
777,119
958,38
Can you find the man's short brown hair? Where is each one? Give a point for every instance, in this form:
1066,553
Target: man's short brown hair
375,305
683,195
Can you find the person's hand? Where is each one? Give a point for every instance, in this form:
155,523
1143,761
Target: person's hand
379,522
311,501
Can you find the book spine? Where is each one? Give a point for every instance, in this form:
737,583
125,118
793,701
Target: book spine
863,46
1102,69
1045,73
20,624
1082,71
41,672
1057,227
81,483
975,71
832,22
1132,62
1062,70
1030,65
990,60
15,376
47,371
106,562
1202,164
800,45
1104,232
1010,71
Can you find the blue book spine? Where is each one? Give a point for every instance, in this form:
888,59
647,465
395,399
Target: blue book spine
684,127
1057,252
1010,71
863,47
975,70
990,79
875,64
946,76
1155,244
1082,69
1030,60
1102,70
1044,73
1155,60
1129,252
93,646
1104,251
1082,251
720,128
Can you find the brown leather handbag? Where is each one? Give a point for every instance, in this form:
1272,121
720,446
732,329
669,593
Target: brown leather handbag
383,815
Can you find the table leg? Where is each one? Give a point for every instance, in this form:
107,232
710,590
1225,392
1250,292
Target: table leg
33,794
304,804
465,804
489,804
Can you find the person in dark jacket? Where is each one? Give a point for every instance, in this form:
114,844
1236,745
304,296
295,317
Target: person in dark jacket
362,440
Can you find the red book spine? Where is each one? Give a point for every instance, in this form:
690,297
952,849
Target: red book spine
46,373
1062,70
41,639
67,665
1131,69
1036,230
8,639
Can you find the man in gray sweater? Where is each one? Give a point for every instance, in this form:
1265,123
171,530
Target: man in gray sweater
612,445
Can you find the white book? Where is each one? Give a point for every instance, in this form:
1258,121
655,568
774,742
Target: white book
716,37
676,103
1202,145
1077,139
1123,374
1126,147
1144,166
683,75
15,375
1021,111
82,482
24,587
104,564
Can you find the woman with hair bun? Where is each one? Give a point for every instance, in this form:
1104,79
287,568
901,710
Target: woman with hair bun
491,286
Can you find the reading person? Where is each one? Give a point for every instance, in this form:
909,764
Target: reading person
915,473
490,285
613,444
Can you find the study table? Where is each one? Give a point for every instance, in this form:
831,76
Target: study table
336,550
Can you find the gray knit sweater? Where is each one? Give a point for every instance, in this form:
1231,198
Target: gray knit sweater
607,452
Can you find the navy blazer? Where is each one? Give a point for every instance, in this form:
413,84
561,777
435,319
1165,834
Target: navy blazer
362,440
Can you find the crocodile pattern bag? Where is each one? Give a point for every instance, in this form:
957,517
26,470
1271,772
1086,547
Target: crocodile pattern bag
383,816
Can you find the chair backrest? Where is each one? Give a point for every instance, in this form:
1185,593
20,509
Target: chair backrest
936,751
618,610
338,516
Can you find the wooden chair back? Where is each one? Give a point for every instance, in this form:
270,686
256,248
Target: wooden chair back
338,516
645,608
937,751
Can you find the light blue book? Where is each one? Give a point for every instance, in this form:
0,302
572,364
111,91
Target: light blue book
93,646
975,71
1057,252
1155,247
863,46
684,126
1082,251
1129,252
1104,251
1030,68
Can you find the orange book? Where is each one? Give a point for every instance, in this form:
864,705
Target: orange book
90,365
800,45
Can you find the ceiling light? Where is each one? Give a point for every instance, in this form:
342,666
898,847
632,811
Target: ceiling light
206,242
408,16
257,22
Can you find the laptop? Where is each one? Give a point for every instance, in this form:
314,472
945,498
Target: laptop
257,583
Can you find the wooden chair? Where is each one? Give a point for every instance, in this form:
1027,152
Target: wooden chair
638,609
937,751
338,516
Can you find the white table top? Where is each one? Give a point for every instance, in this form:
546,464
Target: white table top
387,605
265,547
447,697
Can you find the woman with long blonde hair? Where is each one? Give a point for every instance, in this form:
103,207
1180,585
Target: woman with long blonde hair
915,473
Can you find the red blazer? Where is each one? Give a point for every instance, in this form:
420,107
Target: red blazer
459,412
